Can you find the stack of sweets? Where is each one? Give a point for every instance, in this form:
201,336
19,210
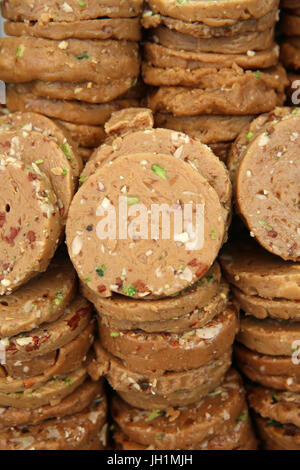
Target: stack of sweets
214,64
290,47
264,165
75,61
166,326
46,330
266,289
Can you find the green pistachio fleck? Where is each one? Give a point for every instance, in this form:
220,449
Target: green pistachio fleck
250,135
87,279
154,414
83,56
20,50
100,271
39,162
112,427
21,335
159,171
257,74
134,81
263,223
275,398
82,4
132,200
66,149
215,393
242,417
210,277
295,111
131,291
274,423
115,334
82,179
160,437
68,381
59,297
213,234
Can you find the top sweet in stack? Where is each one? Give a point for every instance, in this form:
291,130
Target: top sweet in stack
214,65
75,61
165,322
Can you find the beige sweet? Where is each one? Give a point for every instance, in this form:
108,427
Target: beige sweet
103,28
29,238
256,272
70,11
43,299
125,309
38,123
165,57
33,148
259,307
78,112
27,58
239,44
189,426
149,352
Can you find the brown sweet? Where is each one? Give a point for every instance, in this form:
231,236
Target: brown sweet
278,436
265,193
38,123
208,80
213,12
149,352
214,414
239,437
259,307
172,143
43,299
85,153
74,403
149,273
68,433
84,135
33,148
51,392
289,24
128,120
279,406
65,359
165,57
290,53
256,272
200,29
126,309
265,365
103,28
75,60
239,44
196,319
262,96
262,124
79,91
268,336
208,129
157,391
78,112
70,11
28,238
51,336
